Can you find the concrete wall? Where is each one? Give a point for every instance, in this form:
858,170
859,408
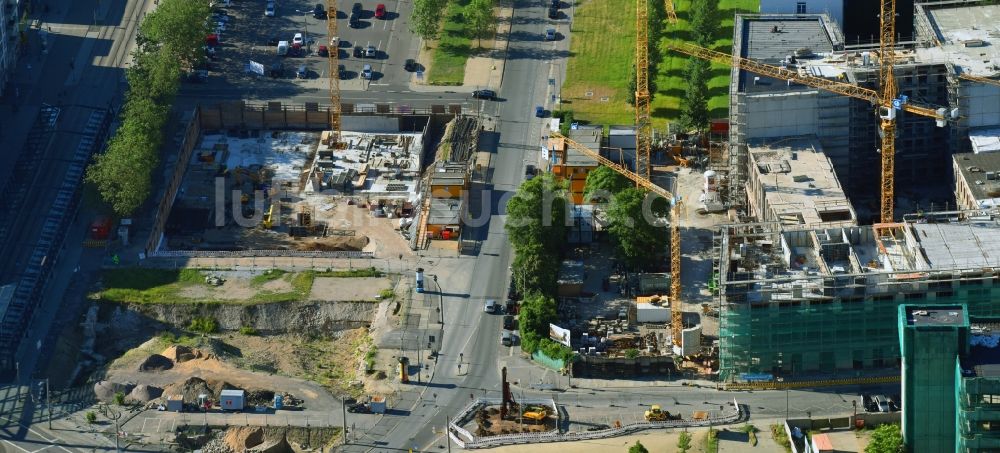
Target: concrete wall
187,145
835,8
981,104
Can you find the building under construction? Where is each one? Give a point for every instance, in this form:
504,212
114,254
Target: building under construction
951,64
811,302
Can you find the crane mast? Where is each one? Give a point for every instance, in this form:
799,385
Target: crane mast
643,127
333,59
888,91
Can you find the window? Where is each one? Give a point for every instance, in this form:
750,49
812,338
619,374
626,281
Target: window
800,8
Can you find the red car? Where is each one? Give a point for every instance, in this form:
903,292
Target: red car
380,11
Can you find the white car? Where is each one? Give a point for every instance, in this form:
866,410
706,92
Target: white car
269,11
366,73
297,39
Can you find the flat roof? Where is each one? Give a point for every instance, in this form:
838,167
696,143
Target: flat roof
985,140
919,316
445,211
960,245
969,35
798,180
771,38
981,172
588,136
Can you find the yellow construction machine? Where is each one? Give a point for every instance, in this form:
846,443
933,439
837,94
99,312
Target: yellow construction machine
656,414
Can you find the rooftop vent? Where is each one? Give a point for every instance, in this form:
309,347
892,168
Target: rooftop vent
974,43
920,313
975,169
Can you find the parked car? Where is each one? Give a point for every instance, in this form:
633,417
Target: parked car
273,41
410,65
380,11
354,21
511,307
553,13
322,51
357,8
508,322
196,76
555,4
506,338
302,72
297,39
529,172
358,52
366,72
370,52
484,94
319,11
539,111
269,10
491,306
550,34
341,72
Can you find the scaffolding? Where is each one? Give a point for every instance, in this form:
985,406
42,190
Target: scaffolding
823,303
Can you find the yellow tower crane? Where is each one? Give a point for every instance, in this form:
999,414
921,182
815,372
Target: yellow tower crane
885,106
334,60
643,124
676,312
980,79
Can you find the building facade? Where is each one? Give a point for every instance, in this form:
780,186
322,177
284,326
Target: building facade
824,301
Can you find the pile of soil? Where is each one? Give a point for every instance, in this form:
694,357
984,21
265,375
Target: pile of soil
181,354
105,390
145,393
194,386
156,362
334,244
244,437
259,397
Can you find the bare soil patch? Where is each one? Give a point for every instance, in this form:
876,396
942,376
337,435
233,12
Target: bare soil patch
348,289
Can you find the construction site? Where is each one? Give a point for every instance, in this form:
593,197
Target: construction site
293,190
799,79
821,302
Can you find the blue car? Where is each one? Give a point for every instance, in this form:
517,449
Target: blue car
539,111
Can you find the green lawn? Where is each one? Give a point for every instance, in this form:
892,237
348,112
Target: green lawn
602,50
452,48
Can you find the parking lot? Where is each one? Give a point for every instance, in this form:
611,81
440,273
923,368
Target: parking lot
248,34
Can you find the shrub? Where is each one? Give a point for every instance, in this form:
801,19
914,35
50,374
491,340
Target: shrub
203,325
91,417
120,398
248,330
631,353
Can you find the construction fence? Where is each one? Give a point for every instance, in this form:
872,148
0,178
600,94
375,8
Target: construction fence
463,438
308,116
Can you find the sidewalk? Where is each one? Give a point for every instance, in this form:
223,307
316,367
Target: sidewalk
480,71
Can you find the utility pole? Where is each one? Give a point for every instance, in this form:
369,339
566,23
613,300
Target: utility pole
440,299
447,431
343,407
48,401
786,404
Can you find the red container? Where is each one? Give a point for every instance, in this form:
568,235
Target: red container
100,228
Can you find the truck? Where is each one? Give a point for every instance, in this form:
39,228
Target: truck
282,48
100,228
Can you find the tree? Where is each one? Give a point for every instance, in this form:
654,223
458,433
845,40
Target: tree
481,19
632,84
632,217
537,215
694,108
885,439
704,22
638,448
684,442
426,17
603,182
179,25
535,270
534,316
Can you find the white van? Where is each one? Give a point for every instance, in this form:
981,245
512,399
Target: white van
282,48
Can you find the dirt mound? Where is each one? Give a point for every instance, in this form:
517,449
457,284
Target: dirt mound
242,438
194,386
181,354
156,362
257,397
105,390
334,244
144,393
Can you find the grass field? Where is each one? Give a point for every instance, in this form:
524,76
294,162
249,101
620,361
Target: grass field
452,49
600,62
